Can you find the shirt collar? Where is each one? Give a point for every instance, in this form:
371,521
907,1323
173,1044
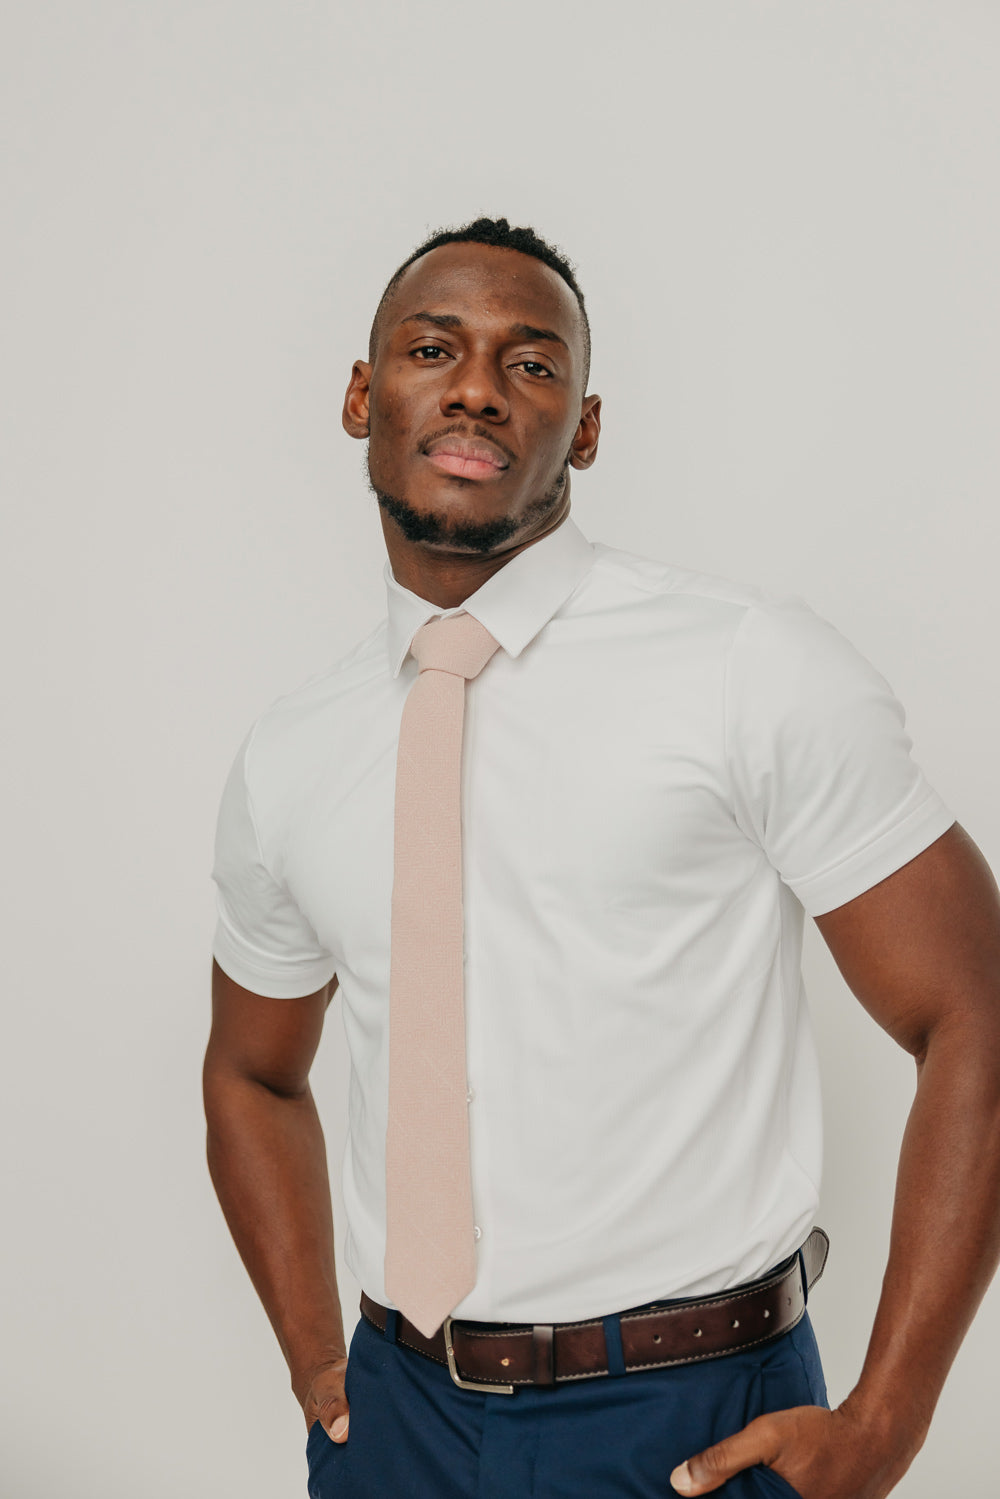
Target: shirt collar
514,604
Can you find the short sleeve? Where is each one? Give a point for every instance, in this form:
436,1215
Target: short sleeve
262,940
820,760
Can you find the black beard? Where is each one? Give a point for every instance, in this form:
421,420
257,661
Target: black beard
467,536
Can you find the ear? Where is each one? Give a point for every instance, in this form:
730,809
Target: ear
588,434
355,414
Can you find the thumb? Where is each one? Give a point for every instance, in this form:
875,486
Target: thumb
335,1416
710,1469
326,1401
338,1431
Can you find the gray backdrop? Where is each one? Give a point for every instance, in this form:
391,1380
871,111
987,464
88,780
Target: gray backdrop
785,219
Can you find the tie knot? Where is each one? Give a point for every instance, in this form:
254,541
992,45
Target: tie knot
459,645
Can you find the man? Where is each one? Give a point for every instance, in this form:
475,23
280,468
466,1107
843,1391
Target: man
659,772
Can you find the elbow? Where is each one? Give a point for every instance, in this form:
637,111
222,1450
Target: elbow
229,1085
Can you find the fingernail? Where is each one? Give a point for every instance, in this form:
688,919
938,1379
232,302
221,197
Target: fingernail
681,1479
339,1428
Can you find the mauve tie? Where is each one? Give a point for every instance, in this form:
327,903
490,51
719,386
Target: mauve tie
430,1257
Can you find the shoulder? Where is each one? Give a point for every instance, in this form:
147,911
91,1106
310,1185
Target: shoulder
775,654
666,579
737,609
302,724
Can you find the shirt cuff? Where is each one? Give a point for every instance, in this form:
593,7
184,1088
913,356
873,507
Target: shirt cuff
854,875
287,978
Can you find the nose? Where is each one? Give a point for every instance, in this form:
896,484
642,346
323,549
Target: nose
476,388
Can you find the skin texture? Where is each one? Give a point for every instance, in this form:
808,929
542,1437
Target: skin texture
454,362
921,950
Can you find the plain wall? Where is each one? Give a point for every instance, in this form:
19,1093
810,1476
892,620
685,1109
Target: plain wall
785,220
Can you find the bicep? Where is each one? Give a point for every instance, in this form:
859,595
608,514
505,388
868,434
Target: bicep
922,947
270,1041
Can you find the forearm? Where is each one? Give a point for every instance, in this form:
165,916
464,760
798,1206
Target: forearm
267,1159
945,1238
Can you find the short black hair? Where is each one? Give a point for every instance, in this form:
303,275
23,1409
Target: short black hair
499,234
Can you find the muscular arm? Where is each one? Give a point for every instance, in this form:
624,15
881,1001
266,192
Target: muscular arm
267,1159
921,951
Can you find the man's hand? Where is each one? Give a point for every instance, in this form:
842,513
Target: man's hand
822,1454
326,1402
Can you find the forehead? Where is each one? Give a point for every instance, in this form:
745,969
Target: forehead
487,288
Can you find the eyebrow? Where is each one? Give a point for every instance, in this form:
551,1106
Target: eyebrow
439,319
517,330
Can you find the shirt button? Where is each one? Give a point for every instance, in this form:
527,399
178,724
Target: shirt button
470,1095
477,1232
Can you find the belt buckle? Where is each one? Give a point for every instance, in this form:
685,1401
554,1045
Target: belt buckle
468,1384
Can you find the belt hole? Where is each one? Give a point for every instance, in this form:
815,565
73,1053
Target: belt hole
656,1337
505,1362
697,1332
736,1321
766,1313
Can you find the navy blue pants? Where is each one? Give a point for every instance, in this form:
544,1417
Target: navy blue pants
415,1435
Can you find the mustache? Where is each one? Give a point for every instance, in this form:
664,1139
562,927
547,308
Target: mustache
455,429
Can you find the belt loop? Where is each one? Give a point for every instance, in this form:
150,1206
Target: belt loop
543,1353
805,1278
613,1344
391,1325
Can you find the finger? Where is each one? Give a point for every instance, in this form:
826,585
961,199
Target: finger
326,1400
711,1468
338,1431
334,1416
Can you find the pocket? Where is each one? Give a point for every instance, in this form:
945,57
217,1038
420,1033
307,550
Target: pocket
319,1446
791,1371
312,1437
772,1483
324,1457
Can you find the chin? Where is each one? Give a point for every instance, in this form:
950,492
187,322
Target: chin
449,525
444,529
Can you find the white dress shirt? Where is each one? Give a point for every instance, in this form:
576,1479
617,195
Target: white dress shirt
661,770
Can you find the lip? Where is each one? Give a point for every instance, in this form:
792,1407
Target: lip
466,457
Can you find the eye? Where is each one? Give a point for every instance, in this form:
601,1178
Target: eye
430,353
533,367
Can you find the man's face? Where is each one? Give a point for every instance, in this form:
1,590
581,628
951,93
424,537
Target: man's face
474,405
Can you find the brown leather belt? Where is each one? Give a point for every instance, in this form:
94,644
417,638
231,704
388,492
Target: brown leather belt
497,1358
